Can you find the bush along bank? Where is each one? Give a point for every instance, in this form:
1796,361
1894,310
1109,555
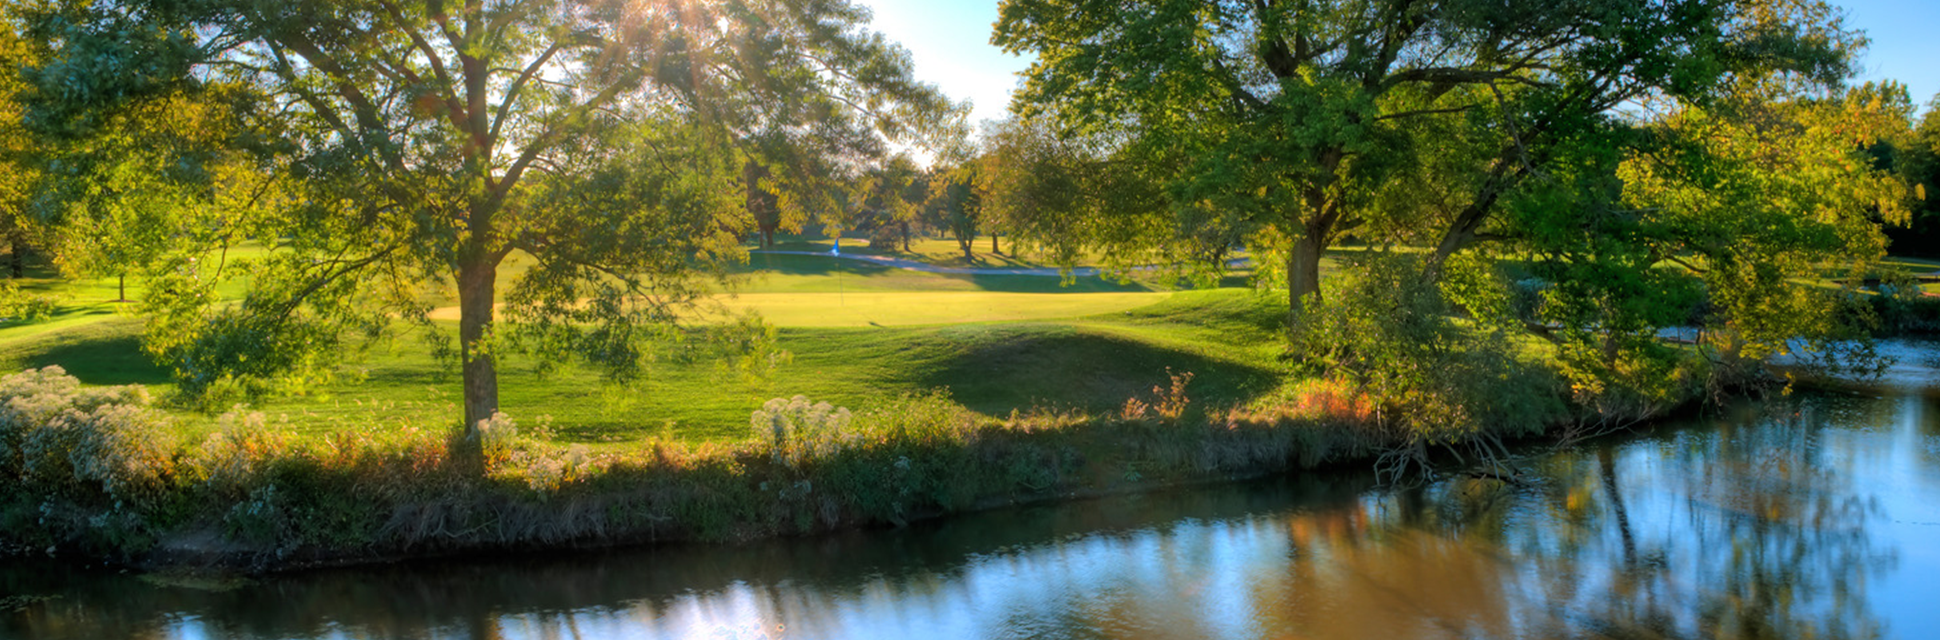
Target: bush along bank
95,474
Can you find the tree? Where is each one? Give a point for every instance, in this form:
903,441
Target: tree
432,140
1916,154
19,170
146,187
1070,192
956,202
1291,117
891,197
1514,131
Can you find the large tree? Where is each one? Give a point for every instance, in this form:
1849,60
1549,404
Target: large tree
432,140
955,201
19,169
1291,118
1068,192
1916,155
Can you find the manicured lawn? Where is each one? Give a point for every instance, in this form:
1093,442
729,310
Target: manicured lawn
1226,338
892,308
855,333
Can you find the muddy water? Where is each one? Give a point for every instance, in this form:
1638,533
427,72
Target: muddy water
1811,516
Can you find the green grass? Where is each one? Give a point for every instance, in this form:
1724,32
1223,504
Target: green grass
1917,266
1089,364
892,308
857,333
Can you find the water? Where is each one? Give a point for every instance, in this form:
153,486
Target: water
1814,516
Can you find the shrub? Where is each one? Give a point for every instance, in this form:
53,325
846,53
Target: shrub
238,456
1385,336
20,307
496,436
917,418
888,238
547,470
795,431
1168,403
58,437
1907,311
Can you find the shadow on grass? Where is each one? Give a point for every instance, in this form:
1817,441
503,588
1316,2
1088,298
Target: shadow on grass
823,265
800,265
1076,369
108,360
1006,283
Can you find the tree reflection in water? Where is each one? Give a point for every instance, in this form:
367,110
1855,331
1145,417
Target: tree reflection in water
1763,523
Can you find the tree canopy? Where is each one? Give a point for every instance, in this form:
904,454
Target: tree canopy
1302,120
1586,172
426,141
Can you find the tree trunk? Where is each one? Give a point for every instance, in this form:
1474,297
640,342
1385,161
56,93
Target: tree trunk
17,246
1467,226
993,245
905,236
1457,237
121,288
1303,276
761,204
475,297
1303,262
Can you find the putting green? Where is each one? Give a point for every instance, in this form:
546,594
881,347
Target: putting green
890,308
899,308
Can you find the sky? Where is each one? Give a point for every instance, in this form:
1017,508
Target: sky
950,43
1905,42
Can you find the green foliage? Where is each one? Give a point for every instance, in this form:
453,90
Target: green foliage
596,292
1915,155
1385,333
956,201
1748,200
1287,126
408,151
1070,194
1907,311
21,307
20,162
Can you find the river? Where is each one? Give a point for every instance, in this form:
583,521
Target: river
1815,515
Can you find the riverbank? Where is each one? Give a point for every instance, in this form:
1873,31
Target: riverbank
105,478
100,486
252,499
1644,532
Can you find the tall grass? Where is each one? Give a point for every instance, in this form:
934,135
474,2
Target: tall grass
95,471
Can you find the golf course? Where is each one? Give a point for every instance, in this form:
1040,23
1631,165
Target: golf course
851,331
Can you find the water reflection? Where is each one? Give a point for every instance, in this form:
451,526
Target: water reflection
1800,518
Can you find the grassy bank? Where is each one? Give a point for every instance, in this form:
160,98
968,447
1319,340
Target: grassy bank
939,419
1111,386
101,475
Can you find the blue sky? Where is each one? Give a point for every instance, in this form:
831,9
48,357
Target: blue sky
950,42
1906,42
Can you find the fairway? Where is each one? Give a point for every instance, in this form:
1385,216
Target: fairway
901,308
893,308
